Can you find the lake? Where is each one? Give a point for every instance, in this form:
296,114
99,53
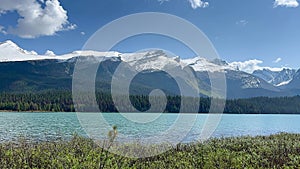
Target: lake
51,126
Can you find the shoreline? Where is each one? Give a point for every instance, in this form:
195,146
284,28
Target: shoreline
10,111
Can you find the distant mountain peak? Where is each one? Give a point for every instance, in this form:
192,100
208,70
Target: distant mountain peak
151,60
276,77
8,42
11,46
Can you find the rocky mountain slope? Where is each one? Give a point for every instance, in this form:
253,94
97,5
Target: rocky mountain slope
22,71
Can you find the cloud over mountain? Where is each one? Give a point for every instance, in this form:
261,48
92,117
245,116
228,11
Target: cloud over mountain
250,66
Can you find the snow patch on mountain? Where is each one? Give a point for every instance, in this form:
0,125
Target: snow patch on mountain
151,60
277,78
201,64
284,83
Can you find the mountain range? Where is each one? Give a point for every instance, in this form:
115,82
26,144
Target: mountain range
26,71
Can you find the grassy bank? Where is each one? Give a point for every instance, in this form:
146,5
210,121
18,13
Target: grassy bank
276,151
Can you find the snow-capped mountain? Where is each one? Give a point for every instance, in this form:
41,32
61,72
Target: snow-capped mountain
9,47
148,60
294,83
238,83
277,78
10,52
200,64
49,71
151,60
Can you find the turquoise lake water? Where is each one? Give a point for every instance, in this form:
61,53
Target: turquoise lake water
51,126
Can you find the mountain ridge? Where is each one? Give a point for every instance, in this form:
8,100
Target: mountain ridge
22,69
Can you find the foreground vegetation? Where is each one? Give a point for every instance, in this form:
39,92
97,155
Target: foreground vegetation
61,101
275,151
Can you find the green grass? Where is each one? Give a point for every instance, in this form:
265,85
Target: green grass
275,151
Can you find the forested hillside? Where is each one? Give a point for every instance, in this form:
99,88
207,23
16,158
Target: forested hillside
61,101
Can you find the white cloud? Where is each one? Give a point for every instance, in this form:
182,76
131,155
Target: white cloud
242,22
286,3
162,1
194,3
2,30
198,4
2,12
82,33
71,27
35,20
49,53
250,66
277,60
31,52
247,66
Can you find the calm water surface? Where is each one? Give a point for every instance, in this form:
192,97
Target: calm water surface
49,126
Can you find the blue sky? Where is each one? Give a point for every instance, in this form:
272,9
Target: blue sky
267,30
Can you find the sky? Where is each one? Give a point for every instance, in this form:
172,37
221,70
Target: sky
247,32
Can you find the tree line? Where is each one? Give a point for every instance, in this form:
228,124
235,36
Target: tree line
61,101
